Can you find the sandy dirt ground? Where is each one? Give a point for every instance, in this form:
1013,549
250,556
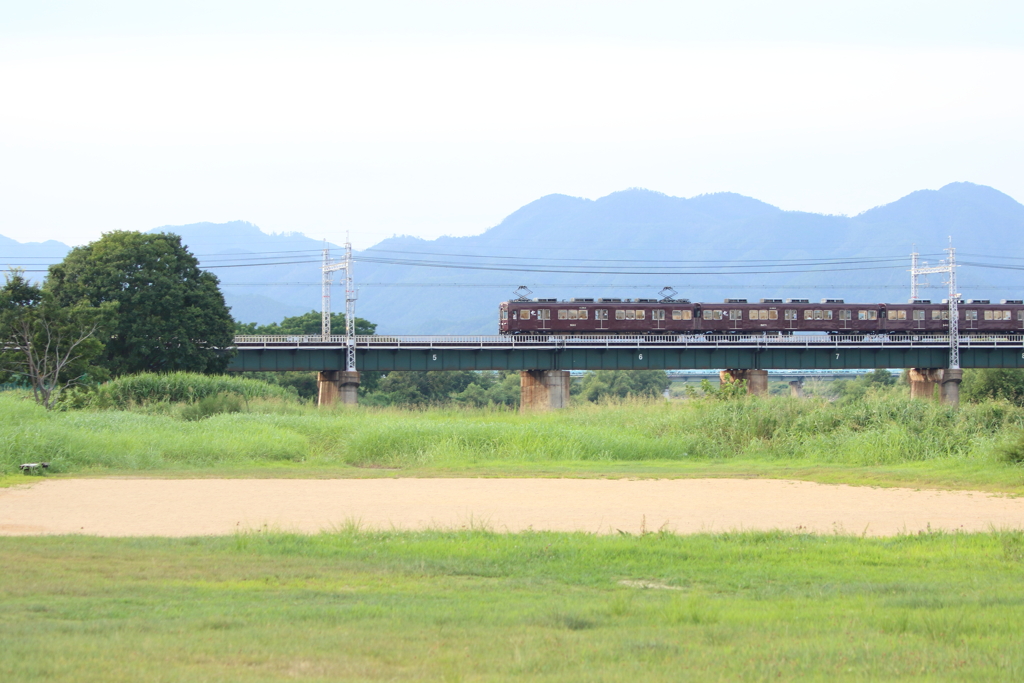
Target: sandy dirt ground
189,507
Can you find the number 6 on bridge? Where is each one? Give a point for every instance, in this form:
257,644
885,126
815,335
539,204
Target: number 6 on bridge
641,356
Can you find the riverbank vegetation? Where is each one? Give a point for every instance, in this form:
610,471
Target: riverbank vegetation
217,425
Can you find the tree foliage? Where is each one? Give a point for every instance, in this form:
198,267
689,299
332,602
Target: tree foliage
171,314
854,389
600,384
999,383
307,323
48,346
460,387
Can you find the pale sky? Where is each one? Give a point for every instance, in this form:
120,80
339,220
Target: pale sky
432,118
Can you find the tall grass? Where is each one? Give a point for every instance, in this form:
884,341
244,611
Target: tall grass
878,430
175,387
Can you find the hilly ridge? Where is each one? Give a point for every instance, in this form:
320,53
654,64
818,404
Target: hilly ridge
697,245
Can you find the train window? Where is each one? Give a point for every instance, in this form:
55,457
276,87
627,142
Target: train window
677,315
735,314
808,314
718,315
817,315
523,315
657,314
1006,315
828,315
773,314
892,315
1020,315
897,315
630,315
640,315
573,315
753,314
845,315
988,315
687,315
918,314
504,314
601,314
862,315
970,315
872,315
764,314
790,314
544,314
707,315
583,314
563,314
620,315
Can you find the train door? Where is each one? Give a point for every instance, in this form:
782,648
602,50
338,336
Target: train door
918,319
735,318
544,319
658,319
790,318
970,321
845,316
601,318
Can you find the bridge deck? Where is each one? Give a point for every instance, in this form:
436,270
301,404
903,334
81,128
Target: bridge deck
595,352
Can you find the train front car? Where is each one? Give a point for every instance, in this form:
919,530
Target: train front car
503,318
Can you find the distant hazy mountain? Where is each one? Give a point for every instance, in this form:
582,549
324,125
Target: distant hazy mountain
33,257
725,233
706,247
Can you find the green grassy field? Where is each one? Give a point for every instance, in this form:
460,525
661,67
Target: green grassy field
477,606
884,440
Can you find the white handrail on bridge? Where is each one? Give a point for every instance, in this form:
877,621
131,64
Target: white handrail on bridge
607,341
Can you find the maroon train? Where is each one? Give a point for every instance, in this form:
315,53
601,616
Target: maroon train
770,316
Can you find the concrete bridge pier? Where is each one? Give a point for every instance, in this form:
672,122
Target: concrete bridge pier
922,382
338,385
757,380
796,388
543,390
949,389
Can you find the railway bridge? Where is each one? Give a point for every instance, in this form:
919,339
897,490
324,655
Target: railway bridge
545,360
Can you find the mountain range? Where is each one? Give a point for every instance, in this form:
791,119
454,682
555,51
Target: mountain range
628,244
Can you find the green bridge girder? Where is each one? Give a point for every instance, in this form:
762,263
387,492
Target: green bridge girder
272,359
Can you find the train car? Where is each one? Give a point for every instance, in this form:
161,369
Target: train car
768,316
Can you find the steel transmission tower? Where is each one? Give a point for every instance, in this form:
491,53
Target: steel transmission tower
948,267
328,268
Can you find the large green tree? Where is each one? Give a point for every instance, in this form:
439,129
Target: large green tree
49,347
171,314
